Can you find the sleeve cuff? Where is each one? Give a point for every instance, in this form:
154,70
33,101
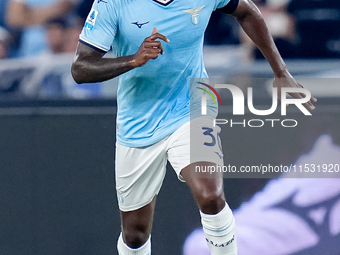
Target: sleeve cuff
93,46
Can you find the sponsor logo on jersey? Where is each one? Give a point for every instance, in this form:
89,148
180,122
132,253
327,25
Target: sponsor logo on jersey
195,16
91,19
139,25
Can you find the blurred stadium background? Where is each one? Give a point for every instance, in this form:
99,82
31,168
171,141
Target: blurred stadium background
57,138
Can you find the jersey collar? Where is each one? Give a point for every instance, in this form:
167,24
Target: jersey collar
163,2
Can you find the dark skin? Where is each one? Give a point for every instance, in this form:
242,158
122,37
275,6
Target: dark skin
250,18
90,66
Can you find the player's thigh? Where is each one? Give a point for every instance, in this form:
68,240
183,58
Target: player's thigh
196,141
197,144
139,175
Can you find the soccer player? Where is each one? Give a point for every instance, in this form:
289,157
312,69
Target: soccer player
154,104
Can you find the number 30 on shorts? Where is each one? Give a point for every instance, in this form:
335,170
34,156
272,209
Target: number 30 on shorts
209,132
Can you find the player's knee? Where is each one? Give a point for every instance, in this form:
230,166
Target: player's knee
136,236
211,202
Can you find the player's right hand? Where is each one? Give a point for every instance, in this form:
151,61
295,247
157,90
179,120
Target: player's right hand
149,49
287,80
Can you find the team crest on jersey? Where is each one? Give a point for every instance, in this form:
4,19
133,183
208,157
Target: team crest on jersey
195,16
91,19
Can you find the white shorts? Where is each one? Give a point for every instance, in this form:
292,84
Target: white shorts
140,171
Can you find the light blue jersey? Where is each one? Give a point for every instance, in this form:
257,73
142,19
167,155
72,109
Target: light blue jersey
153,100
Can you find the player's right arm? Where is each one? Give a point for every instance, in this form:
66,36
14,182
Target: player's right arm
90,66
252,22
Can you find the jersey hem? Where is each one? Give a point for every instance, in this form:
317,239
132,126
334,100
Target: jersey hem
153,140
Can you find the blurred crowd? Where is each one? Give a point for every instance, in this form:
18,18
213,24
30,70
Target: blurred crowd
45,33
38,27
42,32
301,28
306,29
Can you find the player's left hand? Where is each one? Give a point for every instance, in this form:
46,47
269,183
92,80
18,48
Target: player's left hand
286,80
149,49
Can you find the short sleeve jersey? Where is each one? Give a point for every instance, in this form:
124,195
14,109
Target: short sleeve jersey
154,99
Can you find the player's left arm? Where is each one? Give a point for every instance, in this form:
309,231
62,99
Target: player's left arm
250,18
